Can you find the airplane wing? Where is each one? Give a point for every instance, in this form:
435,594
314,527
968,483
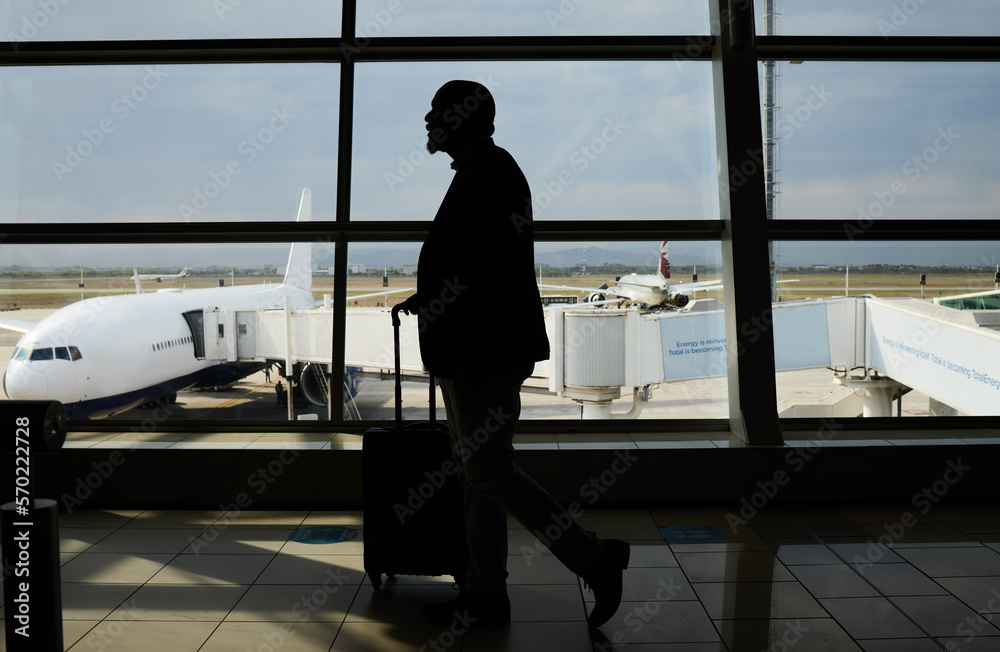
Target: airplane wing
698,285
19,325
373,294
379,294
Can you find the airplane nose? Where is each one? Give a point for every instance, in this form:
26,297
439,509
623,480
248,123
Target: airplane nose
21,382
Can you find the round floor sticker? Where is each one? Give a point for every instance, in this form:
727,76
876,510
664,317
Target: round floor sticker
323,534
691,534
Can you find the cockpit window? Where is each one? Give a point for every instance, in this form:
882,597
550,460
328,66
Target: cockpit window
74,353
41,354
21,353
62,353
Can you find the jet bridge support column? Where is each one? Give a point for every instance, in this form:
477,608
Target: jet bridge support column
879,392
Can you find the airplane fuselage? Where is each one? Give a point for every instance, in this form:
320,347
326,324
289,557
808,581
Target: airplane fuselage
104,355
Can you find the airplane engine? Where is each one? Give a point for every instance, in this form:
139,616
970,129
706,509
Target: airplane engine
315,384
679,300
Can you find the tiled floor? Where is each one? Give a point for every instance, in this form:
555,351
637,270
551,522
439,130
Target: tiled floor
874,579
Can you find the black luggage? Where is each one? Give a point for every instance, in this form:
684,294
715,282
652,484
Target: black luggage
414,521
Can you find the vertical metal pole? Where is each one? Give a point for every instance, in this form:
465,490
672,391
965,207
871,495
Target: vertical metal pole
753,415
345,129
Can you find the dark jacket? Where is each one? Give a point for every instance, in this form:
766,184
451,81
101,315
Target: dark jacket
480,312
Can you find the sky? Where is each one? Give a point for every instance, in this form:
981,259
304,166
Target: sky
597,140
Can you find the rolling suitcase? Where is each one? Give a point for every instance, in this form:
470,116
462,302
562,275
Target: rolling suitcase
414,522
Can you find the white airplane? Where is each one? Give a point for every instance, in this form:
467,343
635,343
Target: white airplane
157,277
648,290
105,355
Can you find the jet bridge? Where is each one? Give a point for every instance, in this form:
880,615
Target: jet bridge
882,346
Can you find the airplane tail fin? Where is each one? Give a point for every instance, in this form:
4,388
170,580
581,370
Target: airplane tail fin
299,269
664,263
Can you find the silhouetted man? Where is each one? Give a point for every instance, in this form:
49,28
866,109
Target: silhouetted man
481,331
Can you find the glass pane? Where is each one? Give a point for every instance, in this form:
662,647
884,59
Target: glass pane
879,17
897,329
676,354
166,143
192,345
596,140
866,141
524,18
60,20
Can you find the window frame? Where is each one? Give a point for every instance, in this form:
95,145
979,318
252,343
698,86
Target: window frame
734,51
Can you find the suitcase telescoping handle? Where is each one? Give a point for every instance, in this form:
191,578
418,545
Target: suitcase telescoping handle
399,376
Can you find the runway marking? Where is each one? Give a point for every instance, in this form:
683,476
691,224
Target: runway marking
238,398
705,397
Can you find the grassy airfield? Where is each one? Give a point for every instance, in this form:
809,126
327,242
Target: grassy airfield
56,292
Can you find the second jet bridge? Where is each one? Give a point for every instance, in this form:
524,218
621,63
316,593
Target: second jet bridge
881,346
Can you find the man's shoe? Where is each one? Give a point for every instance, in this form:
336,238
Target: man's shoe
605,580
467,611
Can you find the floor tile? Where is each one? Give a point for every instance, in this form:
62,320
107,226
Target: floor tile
393,636
982,594
73,631
899,579
656,584
532,603
538,569
900,645
975,644
114,568
212,569
651,554
169,518
238,541
79,539
733,567
812,634
172,540
862,551
919,535
396,604
180,602
827,581
758,600
944,615
801,551
149,636
298,602
870,618
106,518
527,637
314,569
954,562
284,636
660,622
93,601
